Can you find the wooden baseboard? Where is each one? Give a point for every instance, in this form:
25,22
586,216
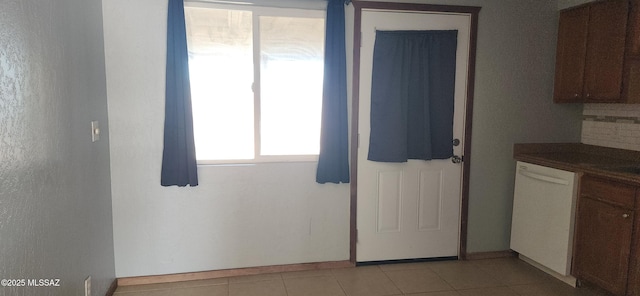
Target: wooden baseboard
112,288
490,255
213,274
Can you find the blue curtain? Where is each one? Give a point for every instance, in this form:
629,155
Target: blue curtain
333,161
179,156
412,95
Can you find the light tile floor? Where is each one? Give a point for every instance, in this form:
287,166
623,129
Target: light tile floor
491,277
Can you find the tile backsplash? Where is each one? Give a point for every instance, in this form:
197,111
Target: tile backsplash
611,125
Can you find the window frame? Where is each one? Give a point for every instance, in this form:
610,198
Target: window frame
257,12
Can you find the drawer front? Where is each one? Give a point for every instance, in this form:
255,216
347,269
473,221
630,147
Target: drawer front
608,191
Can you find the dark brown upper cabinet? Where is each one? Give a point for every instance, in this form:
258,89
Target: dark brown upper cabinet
631,75
590,58
633,42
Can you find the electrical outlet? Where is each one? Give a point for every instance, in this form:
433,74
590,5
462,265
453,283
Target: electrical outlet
95,131
87,286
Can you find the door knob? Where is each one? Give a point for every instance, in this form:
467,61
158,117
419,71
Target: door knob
456,142
456,159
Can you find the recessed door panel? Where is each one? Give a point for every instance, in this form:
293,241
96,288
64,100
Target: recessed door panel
389,201
430,199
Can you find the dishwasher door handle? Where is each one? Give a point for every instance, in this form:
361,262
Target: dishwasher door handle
543,178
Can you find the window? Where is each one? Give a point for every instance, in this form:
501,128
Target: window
256,82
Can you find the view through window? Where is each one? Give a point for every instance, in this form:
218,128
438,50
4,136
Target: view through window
256,83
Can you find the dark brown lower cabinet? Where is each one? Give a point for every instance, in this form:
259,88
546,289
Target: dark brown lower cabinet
633,288
604,236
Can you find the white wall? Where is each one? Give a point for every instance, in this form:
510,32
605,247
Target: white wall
276,214
55,200
513,104
239,216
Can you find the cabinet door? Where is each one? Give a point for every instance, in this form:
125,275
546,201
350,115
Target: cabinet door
631,78
603,244
633,287
633,35
631,86
570,55
605,51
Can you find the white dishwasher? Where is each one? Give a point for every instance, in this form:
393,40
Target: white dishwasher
544,207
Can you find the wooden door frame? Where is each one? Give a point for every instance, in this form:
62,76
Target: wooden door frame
473,12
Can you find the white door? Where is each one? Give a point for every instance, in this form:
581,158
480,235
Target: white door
409,210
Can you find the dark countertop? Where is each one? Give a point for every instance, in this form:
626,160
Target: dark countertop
605,162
